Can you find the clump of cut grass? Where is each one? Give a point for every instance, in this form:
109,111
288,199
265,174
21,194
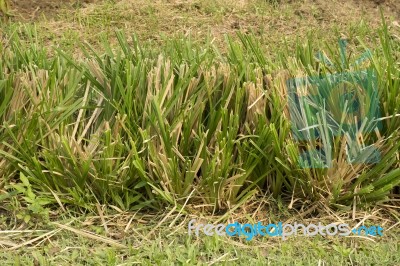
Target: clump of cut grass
140,127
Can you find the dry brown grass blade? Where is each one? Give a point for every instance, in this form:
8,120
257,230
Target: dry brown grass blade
103,221
7,243
161,222
90,235
279,82
53,232
256,102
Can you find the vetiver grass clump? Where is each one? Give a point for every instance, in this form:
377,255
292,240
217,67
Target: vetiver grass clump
140,127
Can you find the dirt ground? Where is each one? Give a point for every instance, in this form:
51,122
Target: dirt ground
67,22
32,9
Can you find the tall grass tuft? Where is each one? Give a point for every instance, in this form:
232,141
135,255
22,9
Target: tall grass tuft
140,127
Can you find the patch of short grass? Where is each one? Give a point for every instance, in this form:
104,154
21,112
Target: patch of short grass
166,247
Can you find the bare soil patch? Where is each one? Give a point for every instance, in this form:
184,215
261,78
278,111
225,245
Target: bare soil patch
67,22
32,9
